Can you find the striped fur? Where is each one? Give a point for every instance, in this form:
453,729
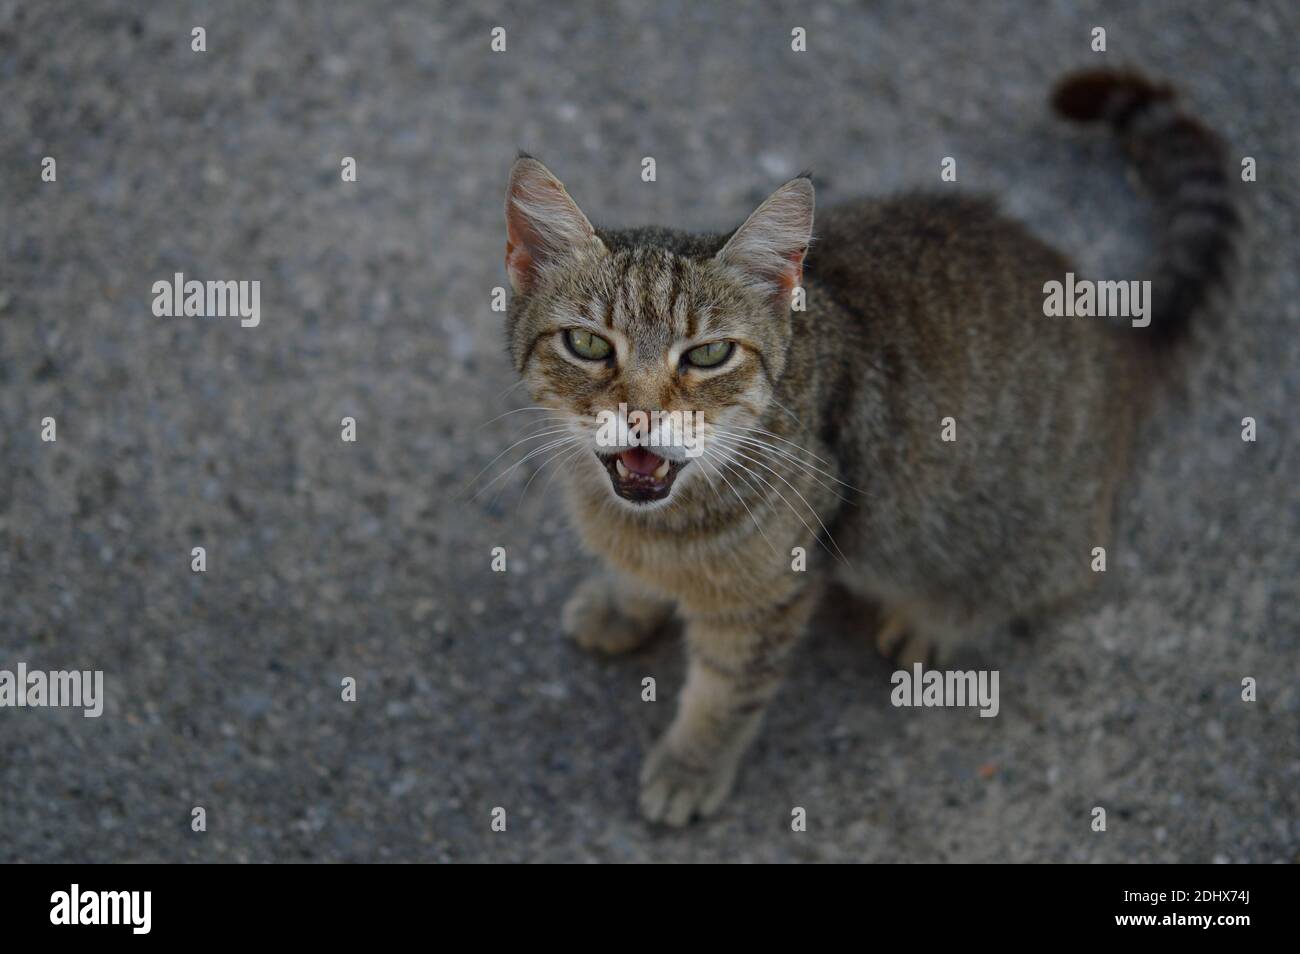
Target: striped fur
824,429
1182,163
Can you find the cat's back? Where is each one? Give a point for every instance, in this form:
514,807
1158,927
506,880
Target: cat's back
950,291
922,246
930,310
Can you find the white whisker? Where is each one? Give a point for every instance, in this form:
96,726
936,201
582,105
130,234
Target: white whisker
561,452
567,457
524,440
800,447
732,439
793,416
527,457
757,525
518,410
837,552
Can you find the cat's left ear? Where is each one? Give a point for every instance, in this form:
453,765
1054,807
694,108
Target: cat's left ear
768,250
543,225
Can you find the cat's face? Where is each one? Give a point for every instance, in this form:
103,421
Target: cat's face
652,362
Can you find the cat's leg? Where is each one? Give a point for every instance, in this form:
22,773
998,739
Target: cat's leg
735,668
928,632
900,636
612,614
898,640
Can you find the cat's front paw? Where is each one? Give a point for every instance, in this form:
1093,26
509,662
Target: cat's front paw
601,617
675,789
899,642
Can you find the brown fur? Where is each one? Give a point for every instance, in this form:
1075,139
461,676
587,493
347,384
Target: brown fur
824,428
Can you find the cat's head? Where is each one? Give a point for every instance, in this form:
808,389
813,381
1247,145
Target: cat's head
691,331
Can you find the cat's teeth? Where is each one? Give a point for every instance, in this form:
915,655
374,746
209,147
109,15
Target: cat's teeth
618,464
662,470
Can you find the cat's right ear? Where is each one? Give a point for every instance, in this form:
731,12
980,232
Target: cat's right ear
769,249
544,227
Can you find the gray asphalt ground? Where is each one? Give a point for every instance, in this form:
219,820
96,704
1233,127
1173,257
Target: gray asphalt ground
328,560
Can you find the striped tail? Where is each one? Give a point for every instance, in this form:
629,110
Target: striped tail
1183,164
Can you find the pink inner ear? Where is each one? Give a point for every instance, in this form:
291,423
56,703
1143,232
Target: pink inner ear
519,263
793,275
524,245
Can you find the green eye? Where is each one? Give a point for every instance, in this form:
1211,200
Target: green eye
586,345
709,355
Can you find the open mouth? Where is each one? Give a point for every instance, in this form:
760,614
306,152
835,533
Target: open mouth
641,475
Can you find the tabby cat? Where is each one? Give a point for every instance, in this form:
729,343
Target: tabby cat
894,408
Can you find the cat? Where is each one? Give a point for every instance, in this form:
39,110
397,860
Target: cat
893,413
